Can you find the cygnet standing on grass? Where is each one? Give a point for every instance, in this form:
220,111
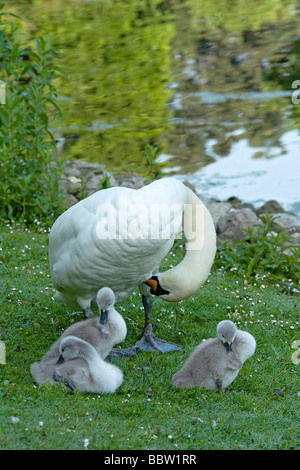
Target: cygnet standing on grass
80,367
215,363
101,333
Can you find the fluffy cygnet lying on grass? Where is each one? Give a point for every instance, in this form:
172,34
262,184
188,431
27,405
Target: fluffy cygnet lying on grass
215,363
101,333
80,367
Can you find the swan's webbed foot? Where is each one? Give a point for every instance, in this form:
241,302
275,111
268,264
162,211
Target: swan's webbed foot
150,342
146,343
119,353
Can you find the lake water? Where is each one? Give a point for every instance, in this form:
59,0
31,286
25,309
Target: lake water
254,180
236,109
275,174
209,83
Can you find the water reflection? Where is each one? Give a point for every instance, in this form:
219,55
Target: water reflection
232,105
117,57
209,84
253,179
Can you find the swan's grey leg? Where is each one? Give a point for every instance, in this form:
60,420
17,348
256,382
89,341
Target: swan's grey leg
148,342
147,303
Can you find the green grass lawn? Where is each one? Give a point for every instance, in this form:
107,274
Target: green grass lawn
147,412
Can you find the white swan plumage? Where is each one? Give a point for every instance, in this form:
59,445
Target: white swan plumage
117,237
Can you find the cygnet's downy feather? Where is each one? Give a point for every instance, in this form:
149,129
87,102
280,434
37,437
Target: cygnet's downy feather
101,336
215,363
80,367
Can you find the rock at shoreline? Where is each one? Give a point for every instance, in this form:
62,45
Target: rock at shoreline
272,207
232,225
130,180
83,179
287,222
217,210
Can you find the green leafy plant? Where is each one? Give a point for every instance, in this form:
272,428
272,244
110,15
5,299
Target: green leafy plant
263,250
151,155
29,167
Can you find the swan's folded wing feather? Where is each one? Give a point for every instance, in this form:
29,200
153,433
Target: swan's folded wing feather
116,237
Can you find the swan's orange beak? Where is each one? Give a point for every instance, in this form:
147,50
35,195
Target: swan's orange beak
152,283
156,288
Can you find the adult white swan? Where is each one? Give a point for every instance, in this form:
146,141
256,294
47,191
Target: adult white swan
117,237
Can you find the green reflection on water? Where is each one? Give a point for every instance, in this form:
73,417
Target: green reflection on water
121,56
117,57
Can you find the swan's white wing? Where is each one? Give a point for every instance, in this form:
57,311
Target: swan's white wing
114,238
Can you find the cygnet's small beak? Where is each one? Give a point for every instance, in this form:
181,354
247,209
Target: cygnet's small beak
60,359
103,317
228,347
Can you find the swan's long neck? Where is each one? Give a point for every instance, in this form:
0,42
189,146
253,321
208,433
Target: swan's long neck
190,274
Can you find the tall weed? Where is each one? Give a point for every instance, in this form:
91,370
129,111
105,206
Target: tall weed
29,166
